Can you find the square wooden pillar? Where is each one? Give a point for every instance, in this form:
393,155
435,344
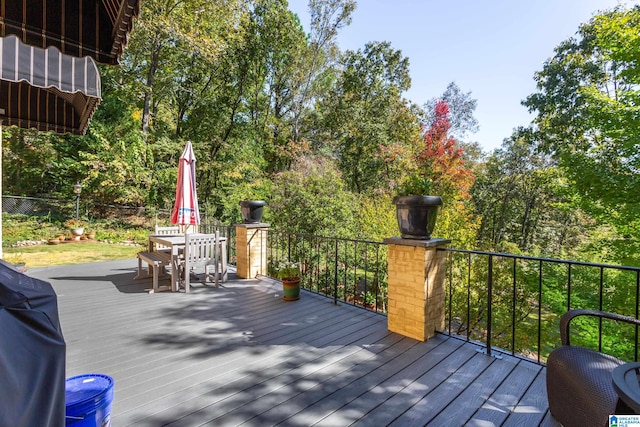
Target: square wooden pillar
251,250
417,273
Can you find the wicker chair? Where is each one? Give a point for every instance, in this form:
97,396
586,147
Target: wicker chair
579,382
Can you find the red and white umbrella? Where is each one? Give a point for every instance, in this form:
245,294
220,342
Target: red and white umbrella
185,212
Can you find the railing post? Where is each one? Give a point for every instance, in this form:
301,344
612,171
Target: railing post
251,250
417,274
335,273
489,303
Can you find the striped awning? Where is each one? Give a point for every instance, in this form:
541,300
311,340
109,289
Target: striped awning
45,89
96,28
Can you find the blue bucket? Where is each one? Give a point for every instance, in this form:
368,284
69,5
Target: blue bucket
89,400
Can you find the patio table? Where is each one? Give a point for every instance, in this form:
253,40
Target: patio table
627,385
177,242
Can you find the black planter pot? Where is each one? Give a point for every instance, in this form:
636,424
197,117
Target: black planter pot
252,211
417,215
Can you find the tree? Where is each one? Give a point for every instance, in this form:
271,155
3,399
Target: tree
525,202
28,157
312,198
167,28
368,124
588,113
327,18
461,109
441,160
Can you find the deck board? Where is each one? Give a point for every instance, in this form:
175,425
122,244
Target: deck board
461,409
533,406
505,398
239,355
356,406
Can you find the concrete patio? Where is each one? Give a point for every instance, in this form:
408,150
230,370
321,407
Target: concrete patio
239,355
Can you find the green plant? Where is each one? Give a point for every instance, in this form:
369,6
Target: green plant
287,270
312,198
416,185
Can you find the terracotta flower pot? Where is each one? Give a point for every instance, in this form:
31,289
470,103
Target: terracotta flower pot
291,289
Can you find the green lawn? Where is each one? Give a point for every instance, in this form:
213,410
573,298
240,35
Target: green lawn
68,253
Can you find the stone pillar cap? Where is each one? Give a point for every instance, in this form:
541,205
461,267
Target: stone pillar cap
430,243
254,225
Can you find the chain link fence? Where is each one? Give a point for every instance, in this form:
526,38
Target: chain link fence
54,208
64,209
30,205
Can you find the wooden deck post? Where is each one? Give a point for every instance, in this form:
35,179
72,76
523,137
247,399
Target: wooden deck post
416,286
251,250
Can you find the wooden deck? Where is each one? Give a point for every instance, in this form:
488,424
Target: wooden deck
239,355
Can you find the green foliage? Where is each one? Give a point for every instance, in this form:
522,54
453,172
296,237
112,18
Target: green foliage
587,114
416,185
377,218
17,228
352,271
366,120
528,296
28,162
287,270
451,215
524,199
258,97
312,199
259,189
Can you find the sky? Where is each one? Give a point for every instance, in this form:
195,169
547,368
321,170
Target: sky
491,48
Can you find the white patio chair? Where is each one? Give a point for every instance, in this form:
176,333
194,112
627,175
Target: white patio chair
201,250
174,229
166,231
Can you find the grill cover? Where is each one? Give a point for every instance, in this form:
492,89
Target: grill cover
32,352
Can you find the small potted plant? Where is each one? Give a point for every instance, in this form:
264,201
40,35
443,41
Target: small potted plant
289,273
416,208
76,226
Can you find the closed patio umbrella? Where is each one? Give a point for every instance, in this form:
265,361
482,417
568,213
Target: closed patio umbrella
185,211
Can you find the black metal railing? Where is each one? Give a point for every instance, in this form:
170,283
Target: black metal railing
512,304
348,270
509,304
227,231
